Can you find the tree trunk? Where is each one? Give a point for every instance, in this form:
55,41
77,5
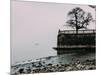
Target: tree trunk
76,31
76,23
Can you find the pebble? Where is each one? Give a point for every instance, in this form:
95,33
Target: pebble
86,65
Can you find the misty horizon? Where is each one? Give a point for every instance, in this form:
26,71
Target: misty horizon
35,25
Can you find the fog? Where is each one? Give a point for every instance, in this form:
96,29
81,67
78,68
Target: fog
35,25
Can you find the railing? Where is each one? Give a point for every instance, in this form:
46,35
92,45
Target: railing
76,46
79,31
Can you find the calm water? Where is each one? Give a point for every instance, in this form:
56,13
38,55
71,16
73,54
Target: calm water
54,60
61,59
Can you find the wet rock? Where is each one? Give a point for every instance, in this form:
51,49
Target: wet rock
49,64
21,70
74,66
28,70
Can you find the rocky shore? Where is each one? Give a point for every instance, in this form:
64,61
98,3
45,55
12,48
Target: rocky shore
74,66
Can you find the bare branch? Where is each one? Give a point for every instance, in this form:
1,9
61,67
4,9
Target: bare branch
79,18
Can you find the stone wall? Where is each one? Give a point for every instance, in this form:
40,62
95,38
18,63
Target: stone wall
76,39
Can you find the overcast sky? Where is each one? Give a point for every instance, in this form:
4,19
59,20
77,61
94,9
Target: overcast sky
34,27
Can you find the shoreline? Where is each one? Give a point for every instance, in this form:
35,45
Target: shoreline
74,66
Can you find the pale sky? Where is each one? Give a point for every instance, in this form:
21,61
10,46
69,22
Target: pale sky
34,27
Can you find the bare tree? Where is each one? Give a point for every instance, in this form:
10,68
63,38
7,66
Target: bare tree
79,19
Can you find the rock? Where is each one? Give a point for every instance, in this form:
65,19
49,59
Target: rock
49,64
41,67
79,66
28,70
21,70
69,68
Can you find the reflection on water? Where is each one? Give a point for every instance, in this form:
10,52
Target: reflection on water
68,58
